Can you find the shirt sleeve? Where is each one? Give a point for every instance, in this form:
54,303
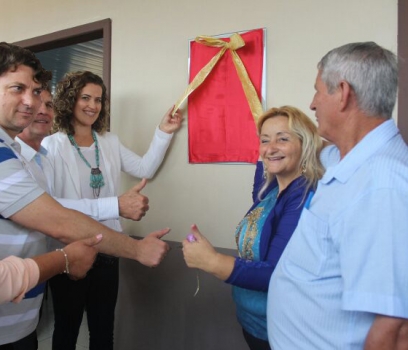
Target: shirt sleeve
17,187
255,275
373,254
98,209
146,166
17,276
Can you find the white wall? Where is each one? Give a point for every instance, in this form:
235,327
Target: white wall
149,73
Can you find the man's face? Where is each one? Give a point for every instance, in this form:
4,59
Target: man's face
19,99
41,126
325,104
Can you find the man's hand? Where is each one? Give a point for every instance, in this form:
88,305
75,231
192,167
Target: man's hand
151,250
81,255
132,204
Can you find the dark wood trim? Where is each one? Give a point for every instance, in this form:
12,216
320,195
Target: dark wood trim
76,35
403,68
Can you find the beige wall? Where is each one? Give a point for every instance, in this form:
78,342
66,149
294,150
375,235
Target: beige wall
149,72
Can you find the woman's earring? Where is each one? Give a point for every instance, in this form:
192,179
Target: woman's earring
265,171
303,168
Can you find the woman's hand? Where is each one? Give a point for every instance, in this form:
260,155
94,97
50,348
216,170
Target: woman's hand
81,256
169,123
201,254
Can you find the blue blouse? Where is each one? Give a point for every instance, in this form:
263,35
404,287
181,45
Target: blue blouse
276,232
261,245
251,304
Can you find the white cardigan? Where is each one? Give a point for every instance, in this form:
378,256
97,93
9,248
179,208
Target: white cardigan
116,158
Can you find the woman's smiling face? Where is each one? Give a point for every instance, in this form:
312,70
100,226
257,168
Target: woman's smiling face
88,105
280,149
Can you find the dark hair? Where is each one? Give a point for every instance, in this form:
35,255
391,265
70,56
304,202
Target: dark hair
12,56
66,96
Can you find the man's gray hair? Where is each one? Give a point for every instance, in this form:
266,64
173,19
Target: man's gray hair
372,72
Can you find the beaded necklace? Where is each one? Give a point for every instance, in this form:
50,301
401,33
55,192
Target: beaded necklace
96,179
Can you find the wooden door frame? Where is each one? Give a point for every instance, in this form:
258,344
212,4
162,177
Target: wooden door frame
91,31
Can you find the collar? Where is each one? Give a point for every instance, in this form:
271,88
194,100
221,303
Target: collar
368,146
6,139
28,152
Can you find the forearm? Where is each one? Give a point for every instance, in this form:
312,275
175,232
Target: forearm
69,225
220,266
253,275
147,165
387,333
50,264
98,209
75,226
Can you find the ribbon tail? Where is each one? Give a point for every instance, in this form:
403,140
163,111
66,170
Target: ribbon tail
249,89
199,79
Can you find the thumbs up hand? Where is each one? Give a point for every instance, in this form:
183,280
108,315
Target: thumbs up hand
132,204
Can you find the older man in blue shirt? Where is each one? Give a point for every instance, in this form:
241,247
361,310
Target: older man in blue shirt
342,281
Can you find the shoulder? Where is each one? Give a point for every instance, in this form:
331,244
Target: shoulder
108,136
6,153
295,193
56,144
298,186
389,167
9,163
58,137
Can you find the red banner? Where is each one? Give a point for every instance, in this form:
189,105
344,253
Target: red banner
220,123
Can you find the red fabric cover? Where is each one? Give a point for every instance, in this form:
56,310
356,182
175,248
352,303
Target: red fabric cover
220,124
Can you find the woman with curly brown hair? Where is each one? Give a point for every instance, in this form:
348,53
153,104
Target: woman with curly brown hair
88,162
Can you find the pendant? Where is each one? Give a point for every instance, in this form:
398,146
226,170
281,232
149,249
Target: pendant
96,181
96,171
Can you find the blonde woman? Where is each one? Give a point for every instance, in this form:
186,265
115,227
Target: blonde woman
290,168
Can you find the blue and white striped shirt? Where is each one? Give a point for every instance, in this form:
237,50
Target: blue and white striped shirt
17,190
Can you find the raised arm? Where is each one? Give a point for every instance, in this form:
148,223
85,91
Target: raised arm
258,180
147,165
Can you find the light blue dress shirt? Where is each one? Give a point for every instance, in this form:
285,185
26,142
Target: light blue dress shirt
347,260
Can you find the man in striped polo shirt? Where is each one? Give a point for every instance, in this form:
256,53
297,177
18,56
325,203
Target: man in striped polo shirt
26,208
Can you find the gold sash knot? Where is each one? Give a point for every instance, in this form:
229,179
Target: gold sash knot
235,43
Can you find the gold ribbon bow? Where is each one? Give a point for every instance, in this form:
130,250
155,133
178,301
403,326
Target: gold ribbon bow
236,42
